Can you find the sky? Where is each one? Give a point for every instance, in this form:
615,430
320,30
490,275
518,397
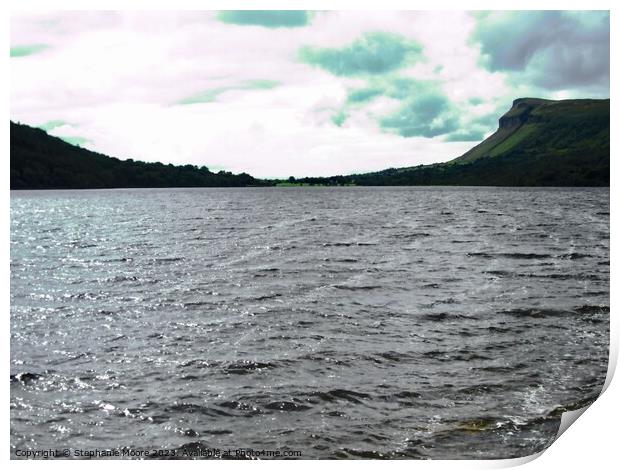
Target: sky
295,93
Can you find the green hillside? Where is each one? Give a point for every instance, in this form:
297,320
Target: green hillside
538,143
41,161
547,127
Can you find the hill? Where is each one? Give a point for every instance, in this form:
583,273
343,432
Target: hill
544,126
538,143
41,161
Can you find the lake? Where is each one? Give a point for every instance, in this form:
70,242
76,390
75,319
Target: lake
412,322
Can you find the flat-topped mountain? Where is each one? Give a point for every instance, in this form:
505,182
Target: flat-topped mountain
538,143
537,126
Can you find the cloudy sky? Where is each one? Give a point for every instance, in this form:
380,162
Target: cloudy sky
279,93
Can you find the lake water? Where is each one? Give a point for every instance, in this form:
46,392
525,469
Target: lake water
335,322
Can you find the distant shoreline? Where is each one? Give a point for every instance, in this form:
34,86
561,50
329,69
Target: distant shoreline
310,186
539,143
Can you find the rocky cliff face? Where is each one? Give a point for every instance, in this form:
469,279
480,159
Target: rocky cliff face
520,112
540,126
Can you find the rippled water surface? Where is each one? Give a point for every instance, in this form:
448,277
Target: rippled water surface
339,322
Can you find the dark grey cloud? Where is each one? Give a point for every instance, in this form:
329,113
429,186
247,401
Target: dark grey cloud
466,135
550,49
425,111
27,49
371,54
266,18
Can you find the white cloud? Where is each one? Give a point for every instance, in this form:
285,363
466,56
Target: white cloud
117,78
